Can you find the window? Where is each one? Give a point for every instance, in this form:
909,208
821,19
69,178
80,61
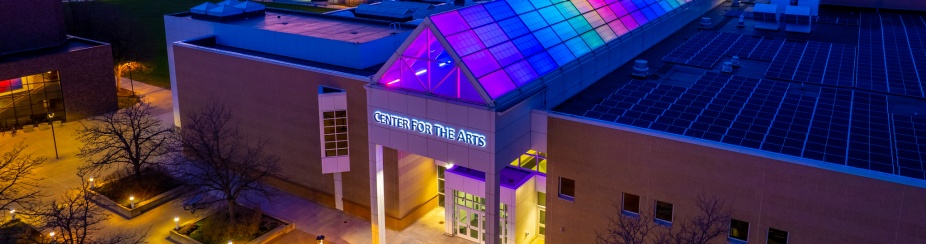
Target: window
567,188
776,236
542,208
335,133
532,160
739,230
631,203
664,211
440,185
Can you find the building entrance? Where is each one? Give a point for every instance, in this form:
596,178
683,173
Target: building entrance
469,223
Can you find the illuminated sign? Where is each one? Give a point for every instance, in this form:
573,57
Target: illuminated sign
425,127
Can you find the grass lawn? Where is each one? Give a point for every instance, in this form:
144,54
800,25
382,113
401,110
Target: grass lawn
149,185
150,18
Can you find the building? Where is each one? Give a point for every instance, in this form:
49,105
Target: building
515,104
43,70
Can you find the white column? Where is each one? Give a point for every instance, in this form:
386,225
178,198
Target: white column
338,192
377,193
492,205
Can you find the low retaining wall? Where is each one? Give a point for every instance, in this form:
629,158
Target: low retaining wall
140,207
268,237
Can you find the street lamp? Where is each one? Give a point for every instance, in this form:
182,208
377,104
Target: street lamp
54,140
92,185
320,239
132,201
12,214
52,237
176,223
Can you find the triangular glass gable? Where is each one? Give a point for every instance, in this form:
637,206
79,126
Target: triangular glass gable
425,66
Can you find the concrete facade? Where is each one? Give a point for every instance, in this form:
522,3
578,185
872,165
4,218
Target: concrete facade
814,205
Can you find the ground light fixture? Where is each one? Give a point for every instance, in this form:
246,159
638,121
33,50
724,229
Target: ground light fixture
51,236
91,183
53,139
132,201
176,223
12,214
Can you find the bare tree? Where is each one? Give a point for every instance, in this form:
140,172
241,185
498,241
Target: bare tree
18,185
218,159
627,228
75,219
710,223
131,136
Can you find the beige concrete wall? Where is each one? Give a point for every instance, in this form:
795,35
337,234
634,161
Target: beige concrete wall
417,183
814,205
525,216
279,104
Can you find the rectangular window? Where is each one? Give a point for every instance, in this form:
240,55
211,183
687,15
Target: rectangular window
541,199
739,230
631,203
440,185
567,188
335,127
532,160
664,211
776,236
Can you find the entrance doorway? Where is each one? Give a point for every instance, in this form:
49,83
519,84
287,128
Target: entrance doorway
469,223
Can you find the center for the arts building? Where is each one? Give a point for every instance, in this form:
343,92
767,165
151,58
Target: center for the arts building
452,110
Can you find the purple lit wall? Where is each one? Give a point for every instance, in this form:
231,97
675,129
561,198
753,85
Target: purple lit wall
508,44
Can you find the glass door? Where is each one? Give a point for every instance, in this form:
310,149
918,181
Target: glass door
469,223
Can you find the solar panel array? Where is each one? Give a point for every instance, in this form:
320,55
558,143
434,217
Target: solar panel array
814,62
834,125
910,145
705,48
889,50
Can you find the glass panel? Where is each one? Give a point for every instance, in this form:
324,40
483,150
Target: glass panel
664,211
551,15
540,3
629,23
547,37
564,30
543,217
631,203
617,27
582,5
474,233
528,45
449,23
533,20
543,166
639,17
497,84
499,10
739,229
542,63
597,3
561,54
481,63
594,19
592,39
628,5
476,16
506,53
567,9
521,7
513,27
521,73
474,220
543,230
580,24
617,9
465,43
541,199
577,46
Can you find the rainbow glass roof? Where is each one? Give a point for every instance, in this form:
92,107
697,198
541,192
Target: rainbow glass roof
482,52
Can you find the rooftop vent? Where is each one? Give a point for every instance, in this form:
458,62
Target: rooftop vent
228,9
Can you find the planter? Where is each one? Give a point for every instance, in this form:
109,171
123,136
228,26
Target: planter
140,207
268,237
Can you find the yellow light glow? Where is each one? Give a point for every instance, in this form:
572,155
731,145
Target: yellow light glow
176,219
